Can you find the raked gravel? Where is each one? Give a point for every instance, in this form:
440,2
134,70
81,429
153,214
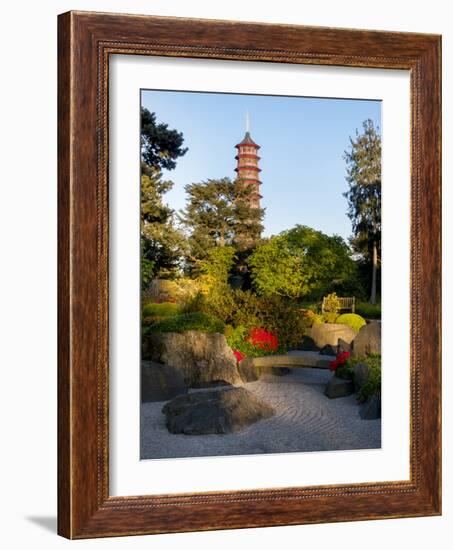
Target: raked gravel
305,420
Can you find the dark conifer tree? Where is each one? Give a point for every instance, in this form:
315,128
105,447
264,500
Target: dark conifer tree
363,161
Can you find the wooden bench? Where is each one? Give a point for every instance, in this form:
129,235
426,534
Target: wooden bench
291,359
346,304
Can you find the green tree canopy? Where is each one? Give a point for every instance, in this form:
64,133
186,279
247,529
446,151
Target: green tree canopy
218,214
218,263
160,146
363,174
301,262
162,244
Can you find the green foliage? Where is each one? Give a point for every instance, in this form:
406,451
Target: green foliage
218,213
363,161
217,265
151,313
356,322
243,308
301,262
237,339
317,318
146,271
373,385
237,307
162,243
346,371
284,319
331,307
369,311
189,321
276,269
160,146
164,309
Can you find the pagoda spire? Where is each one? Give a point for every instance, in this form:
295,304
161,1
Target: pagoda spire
247,164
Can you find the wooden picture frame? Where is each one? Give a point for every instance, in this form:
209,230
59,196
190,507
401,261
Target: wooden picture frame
85,41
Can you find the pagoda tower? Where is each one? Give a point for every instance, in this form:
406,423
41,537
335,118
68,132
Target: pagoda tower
247,166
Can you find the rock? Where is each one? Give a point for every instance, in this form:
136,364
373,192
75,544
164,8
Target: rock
368,340
247,370
202,358
214,412
160,382
329,333
338,387
371,409
328,350
343,346
360,375
307,344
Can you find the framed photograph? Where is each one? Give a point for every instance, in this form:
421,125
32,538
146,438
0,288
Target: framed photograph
249,275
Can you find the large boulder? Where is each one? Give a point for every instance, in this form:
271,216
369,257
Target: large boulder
324,334
343,346
338,387
214,412
160,382
202,358
371,409
368,340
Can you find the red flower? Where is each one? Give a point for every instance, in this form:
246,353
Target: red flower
264,340
341,359
239,355
333,365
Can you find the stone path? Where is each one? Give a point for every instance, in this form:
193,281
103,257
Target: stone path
305,420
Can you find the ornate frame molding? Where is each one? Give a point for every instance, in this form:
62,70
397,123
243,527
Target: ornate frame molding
86,40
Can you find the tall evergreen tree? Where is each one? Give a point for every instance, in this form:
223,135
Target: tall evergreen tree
161,242
363,168
160,146
218,213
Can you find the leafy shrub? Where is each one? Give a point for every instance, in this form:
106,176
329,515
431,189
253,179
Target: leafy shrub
342,366
154,312
284,319
243,308
217,265
331,306
189,321
373,385
356,322
318,318
254,342
369,311
163,309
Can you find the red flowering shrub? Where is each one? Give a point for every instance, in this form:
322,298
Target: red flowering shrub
263,339
251,343
340,360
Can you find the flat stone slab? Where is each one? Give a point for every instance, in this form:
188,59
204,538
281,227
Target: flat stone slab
296,358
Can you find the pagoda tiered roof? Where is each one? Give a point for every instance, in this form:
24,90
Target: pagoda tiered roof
247,141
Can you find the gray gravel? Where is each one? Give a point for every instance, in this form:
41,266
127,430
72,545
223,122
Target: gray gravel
305,420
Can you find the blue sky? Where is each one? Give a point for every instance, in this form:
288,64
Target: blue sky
302,144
